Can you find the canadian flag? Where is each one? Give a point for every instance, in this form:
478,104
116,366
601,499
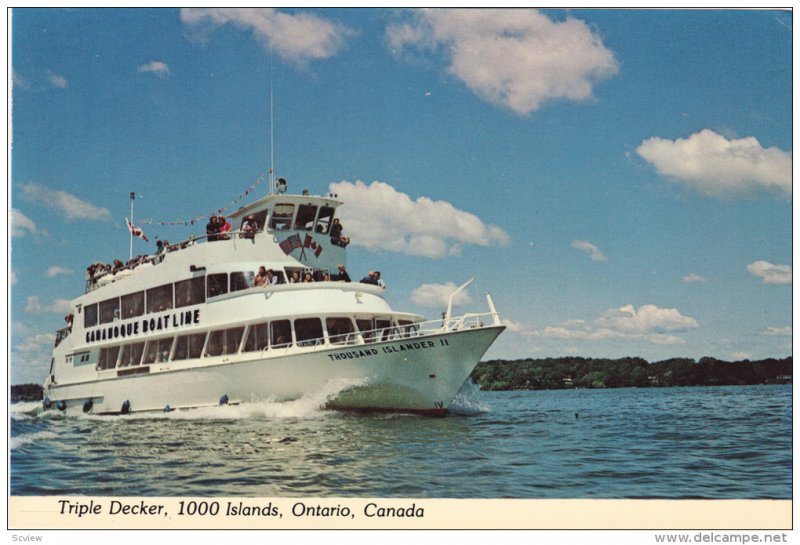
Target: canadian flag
135,231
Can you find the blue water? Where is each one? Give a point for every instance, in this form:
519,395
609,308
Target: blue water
718,442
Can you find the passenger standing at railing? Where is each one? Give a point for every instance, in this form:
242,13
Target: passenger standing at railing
212,228
224,228
342,276
272,280
249,228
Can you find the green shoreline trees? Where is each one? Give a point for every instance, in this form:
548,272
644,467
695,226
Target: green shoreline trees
576,372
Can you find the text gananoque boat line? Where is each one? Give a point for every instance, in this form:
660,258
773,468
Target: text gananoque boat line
201,324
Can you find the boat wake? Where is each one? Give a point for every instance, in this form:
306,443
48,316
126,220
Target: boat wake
468,401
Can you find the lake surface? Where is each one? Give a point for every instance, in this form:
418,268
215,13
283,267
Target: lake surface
717,442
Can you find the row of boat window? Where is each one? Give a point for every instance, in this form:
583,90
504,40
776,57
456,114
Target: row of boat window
304,220
180,294
259,337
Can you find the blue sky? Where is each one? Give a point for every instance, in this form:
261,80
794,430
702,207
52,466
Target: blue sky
618,180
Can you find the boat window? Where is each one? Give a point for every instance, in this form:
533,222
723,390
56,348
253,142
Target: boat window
217,284
305,217
132,305
159,298
189,346
291,276
224,341
90,316
158,350
384,328
190,292
282,216
340,330
308,331
257,338
324,220
408,328
109,310
242,280
131,354
366,327
259,217
108,357
280,334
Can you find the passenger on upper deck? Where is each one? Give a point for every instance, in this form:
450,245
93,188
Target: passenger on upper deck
261,280
336,234
342,276
307,277
249,228
224,228
374,278
369,279
212,228
295,279
272,280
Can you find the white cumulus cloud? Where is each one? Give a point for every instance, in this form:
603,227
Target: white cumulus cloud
57,270
716,166
33,305
516,58
437,295
57,81
692,278
648,322
21,224
378,217
771,274
778,331
158,68
520,328
591,249
296,37
35,348
64,203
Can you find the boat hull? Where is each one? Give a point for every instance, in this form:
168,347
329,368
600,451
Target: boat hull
421,374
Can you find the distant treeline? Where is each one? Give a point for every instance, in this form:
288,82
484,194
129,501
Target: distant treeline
26,392
574,372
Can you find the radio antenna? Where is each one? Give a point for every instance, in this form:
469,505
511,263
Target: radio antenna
271,132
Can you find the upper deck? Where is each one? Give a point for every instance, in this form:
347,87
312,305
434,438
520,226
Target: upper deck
298,231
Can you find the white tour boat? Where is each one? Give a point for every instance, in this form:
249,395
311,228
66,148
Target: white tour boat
190,326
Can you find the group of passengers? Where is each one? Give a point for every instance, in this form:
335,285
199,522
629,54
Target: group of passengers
267,277
96,270
218,228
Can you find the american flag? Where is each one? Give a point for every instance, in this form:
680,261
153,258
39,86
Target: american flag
291,243
135,231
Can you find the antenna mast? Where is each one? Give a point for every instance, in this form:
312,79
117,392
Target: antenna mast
271,132
130,226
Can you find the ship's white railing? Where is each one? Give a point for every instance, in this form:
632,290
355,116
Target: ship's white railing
107,276
412,331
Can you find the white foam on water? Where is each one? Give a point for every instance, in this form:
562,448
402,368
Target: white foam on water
28,438
468,401
311,405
